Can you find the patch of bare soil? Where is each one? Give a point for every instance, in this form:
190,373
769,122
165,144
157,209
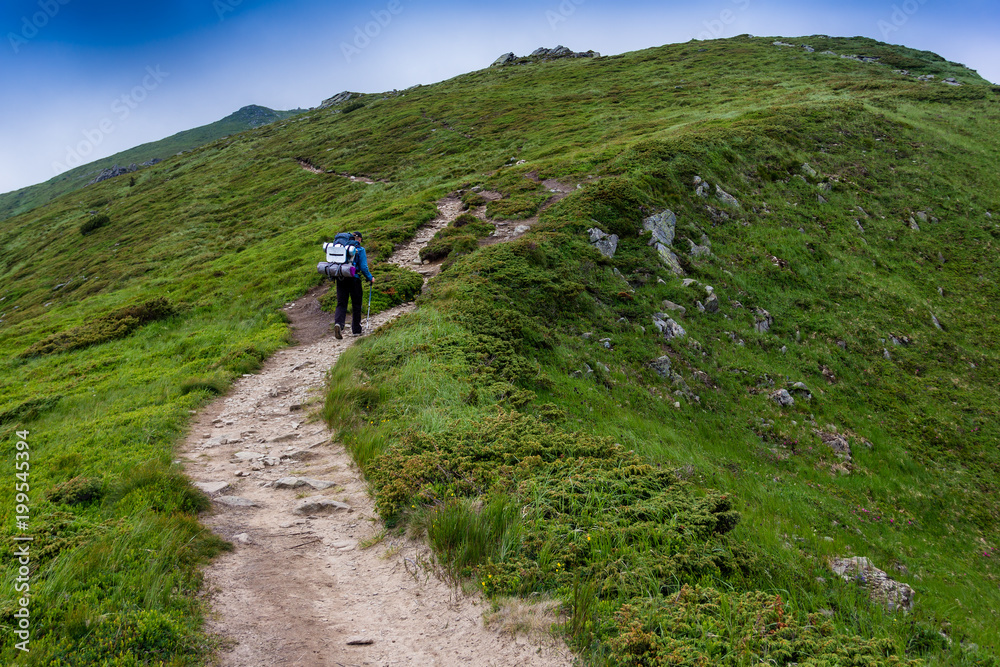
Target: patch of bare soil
508,230
313,579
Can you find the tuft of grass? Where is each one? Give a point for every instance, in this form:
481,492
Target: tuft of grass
213,384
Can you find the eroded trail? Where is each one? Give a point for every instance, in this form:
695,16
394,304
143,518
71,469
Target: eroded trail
301,588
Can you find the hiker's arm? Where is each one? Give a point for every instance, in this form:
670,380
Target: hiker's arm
363,265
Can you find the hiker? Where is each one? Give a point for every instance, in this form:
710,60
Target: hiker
351,288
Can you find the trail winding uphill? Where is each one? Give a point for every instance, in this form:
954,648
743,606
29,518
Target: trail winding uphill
305,585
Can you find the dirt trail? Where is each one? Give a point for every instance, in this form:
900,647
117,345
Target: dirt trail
301,588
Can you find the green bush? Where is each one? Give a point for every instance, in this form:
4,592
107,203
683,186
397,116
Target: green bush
114,325
517,207
472,200
94,222
76,491
459,238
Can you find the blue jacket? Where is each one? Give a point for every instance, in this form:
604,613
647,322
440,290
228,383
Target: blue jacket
361,263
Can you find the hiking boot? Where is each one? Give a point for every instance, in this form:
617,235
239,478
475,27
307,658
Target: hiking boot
357,333
336,332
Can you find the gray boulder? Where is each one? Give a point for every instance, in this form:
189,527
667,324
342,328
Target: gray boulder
669,259
783,398
606,244
670,305
699,250
211,488
725,197
763,321
668,327
661,366
663,226
837,443
800,389
701,187
712,304
881,588
504,59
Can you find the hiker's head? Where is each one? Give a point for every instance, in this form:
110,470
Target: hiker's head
357,236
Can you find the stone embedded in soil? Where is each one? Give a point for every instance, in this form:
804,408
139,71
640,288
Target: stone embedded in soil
247,456
319,506
300,455
360,641
211,488
235,501
296,482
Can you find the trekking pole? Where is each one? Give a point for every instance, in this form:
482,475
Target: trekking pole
368,316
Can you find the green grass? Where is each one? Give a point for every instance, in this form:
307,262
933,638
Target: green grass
474,418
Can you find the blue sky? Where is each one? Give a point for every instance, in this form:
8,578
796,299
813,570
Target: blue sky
98,77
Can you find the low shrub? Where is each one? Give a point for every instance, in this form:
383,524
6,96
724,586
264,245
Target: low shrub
472,200
94,222
76,491
114,325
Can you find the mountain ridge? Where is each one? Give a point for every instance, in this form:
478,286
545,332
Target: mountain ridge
248,117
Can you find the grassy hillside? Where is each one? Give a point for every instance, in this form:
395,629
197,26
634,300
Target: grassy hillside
515,418
25,199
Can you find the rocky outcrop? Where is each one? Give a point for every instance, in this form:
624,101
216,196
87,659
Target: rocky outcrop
606,244
668,327
661,366
542,54
881,589
837,443
783,398
113,172
662,226
339,98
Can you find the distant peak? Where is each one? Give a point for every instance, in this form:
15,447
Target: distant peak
541,54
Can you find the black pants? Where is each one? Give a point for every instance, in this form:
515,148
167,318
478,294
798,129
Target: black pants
349,287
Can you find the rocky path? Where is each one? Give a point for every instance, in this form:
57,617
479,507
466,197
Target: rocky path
313,580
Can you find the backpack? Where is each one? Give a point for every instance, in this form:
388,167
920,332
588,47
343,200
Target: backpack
339,257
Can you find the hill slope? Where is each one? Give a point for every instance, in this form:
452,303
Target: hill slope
549,417
25,199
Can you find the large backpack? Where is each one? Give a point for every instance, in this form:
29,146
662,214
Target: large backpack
340,256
